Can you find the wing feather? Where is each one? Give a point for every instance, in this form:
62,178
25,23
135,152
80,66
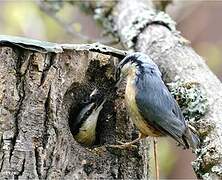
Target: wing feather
157,105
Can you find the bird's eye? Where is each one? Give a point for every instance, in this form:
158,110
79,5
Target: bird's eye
152,70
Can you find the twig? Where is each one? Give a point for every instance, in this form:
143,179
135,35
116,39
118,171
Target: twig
46,9
156,158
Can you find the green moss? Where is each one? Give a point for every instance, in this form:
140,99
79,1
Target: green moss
85,7
191,98
102,13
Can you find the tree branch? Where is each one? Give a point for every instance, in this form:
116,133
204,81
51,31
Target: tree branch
141,28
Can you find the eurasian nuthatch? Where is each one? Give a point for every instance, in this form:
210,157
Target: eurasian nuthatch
85,124
151,107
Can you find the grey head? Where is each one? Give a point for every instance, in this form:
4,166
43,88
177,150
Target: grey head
139,61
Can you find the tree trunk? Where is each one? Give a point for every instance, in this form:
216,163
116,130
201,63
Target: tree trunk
141,28
41,86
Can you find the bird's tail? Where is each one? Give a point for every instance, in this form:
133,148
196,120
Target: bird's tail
191,139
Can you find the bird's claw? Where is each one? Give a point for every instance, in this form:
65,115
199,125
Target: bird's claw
123,145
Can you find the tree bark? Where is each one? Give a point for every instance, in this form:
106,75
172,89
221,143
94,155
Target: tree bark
141,28
41,84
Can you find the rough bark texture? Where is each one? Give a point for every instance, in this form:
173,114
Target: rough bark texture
141,28
39,89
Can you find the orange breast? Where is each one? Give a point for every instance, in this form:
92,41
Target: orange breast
136,117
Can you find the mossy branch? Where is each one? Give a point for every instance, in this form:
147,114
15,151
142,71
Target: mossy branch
140,27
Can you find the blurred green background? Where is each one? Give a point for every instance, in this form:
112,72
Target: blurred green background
198,21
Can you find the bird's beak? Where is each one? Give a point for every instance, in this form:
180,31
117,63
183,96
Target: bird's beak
118,81
115,75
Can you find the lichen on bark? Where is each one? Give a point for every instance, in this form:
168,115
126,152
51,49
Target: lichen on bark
171,53
191,99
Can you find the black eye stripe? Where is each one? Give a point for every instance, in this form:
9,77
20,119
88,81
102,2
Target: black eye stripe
131,59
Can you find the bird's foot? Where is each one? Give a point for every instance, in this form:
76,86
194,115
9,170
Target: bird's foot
122,145
128,144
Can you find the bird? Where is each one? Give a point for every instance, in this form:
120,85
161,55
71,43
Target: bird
84,126
149,103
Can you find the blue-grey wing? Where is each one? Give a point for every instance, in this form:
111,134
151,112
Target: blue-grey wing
157,106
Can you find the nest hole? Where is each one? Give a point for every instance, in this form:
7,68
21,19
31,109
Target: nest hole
77,95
